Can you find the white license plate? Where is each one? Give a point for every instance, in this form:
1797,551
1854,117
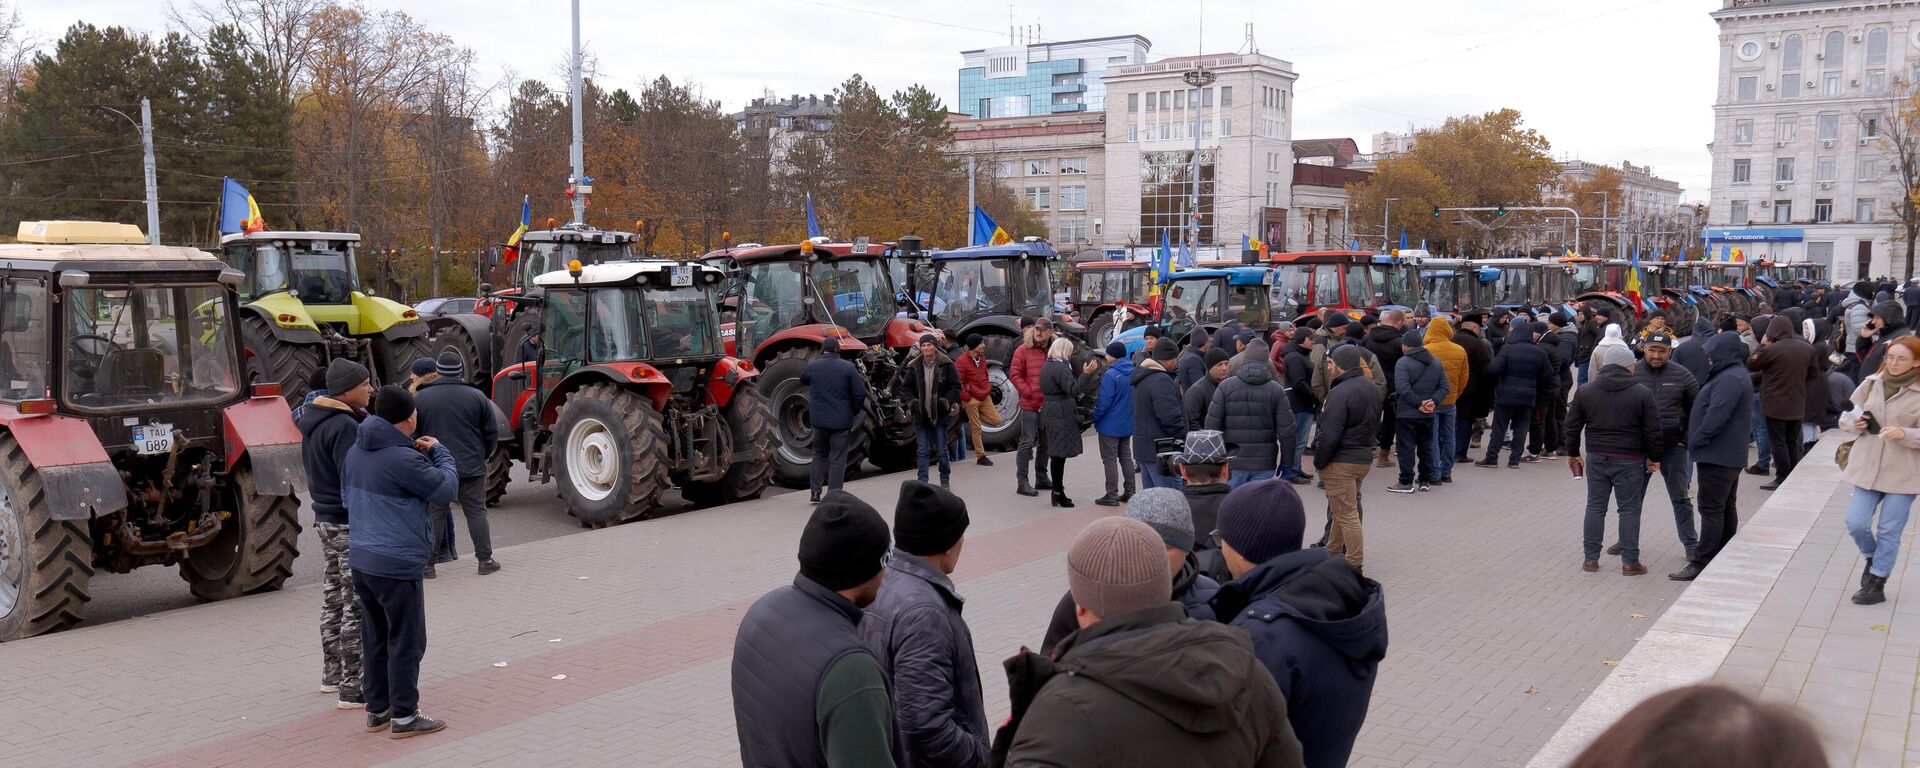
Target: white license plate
682,276
153,438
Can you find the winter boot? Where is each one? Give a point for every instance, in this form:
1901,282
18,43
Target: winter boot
1872,592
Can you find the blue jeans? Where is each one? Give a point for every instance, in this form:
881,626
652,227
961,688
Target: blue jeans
1678,474
1150,477
1443,440
1580,372
1462,436
1764,452
1626,481
931,438
1240,477
1302,429
1882,542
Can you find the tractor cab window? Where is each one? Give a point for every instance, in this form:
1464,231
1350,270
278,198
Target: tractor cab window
543,257
969,288
1094,288
143,345
1036,291
317,271
855,293
1515,286
1290,288
1440,288
1359,286
23,339
1248,304
680,323
564,324
771,303
1194,302
1395,284
1586,277
1326,286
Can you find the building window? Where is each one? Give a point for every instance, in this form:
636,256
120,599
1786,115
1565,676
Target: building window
1039,198
1743,131
1742,171
1877,48
1226,96
1273,194
1830,84
1179,99
1785,128
1783,169
1073,197
1153,101
1830,127
1002,64
1869,169
1006,169
1869,124
985,111
1783,211
1823,210
1166,181
1745,88
1040,167
1749,50
1073,165
1166,131
1863,211
1823,169
1073,230
1206,98
1226,126
1737,212
1133,132
1836,50
1876,81
1133,102
1791,54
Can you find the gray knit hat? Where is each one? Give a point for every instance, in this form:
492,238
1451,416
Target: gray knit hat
1117,566
1612,354
1165,511
344,374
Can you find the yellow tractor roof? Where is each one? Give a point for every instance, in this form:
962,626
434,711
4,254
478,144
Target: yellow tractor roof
72,232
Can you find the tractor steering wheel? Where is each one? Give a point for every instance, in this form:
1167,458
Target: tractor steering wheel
106,345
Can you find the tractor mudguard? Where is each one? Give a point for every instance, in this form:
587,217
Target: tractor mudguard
286,318
991,325
391,319
478,328
811,334
79,480
646,378
262,429
501,426
727,377
903,332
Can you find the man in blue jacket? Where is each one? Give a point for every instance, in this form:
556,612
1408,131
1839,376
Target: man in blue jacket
1316,623
1157,411
1420,385
836,395
389,480
1717,433
328,425
1113,423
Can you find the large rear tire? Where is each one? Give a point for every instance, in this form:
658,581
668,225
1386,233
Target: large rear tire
789,409
753,448
45,564
397,356
254,551
1102,329
1006,398
610,455
518,327
499,473
454,339
274,360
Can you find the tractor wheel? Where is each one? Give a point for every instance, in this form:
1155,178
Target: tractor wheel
753,450
610,454
861,442
275,360
1102,330
499,472
397,356
45,564
1006,399
255,549
455,339
517,328
789,406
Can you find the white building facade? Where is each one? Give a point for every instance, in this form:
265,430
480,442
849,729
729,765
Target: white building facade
1800,166
1055,164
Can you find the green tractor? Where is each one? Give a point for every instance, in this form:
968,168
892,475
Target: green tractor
302,306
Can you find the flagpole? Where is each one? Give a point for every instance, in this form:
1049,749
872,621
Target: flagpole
967,230
578,151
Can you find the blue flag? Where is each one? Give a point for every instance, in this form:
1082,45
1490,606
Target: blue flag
985,231
1403,238
238,211
813,224
1163,261
1186,255
1356,245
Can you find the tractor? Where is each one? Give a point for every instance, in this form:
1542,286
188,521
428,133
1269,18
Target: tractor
302,306
632,392
787,299
128,433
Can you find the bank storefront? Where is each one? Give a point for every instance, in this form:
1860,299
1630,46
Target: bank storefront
1849,252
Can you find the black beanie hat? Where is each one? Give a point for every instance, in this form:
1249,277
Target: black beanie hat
1217,356
317,379
927,338
843,543
929,519
1262,520
974,340
393,403
1337,320
344,374
1164,349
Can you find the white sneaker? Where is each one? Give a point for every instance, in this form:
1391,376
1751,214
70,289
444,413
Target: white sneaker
329,688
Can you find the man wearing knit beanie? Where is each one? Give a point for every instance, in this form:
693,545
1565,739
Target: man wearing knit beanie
1165,511
1158,412
1113,426
924,646
328,425
1315,621
461,417
1130,661
1420,384
1343,449
1199,396
805,684
1623,431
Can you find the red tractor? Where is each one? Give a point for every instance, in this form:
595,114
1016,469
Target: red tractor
786,300
128,433
631,392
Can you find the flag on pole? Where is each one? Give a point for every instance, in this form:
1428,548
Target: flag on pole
512,251
1185,260
1403,238
1162,260
985,231
1633,279
238,211
813,224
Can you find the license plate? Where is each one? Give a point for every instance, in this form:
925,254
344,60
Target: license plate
153,438
682,276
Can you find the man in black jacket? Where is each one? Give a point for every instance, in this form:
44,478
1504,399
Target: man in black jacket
1349,421
836,398
460,416
1199,397
1383,340
1623,448
1253,411
1674,390
1784,368
1550,403
1157,411
328,427
930,386
1523,370
915,631
1477,401
1593,327
1193,362
1420,386
1297,361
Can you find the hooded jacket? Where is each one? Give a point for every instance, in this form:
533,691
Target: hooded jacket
1199,397
1477,401
388,485
327,431
974,382
1417,379
1192,589
1024,370
1153,688
1523,369
1453,358
1557,360
1252,410
1060,425
1349,423
1193,365
925,649
1722,421
1297,376
1618,416
1613,337
460,416
1322,383
1384,342
1157,410
1321,629
1893,325
1674,390
1855,309
1113,408
1692,352
1785,367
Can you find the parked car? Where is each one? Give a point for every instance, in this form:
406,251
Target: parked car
446,305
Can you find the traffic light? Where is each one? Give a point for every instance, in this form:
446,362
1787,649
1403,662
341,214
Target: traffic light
1436,212
1499,211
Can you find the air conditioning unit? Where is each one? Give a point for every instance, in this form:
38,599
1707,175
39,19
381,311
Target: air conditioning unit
1773,42
1826,185
1780,143
1856,35
1863,141
1779,187
1828,143
1856,83
1769,86
1764,204
1810,85
1822,55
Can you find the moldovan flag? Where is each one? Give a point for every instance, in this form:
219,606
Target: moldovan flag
238,211
512,250
1633,280
985,231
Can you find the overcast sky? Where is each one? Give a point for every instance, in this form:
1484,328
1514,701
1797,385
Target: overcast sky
1604,80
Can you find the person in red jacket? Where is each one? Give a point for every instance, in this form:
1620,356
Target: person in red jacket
976,394
1024,370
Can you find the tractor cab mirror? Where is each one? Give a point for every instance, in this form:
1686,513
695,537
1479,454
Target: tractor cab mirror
807,300
486,288
519,374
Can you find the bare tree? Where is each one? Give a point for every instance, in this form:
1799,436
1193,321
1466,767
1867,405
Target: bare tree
1895,124
281,30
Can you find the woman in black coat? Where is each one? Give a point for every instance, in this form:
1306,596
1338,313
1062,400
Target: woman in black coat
1060,411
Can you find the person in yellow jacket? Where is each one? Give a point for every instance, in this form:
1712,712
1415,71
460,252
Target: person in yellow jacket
1453,360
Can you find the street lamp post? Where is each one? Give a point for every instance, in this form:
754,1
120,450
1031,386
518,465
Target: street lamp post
1386,213
145,126
1199,77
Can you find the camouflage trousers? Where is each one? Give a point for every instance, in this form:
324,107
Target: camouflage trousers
339,614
